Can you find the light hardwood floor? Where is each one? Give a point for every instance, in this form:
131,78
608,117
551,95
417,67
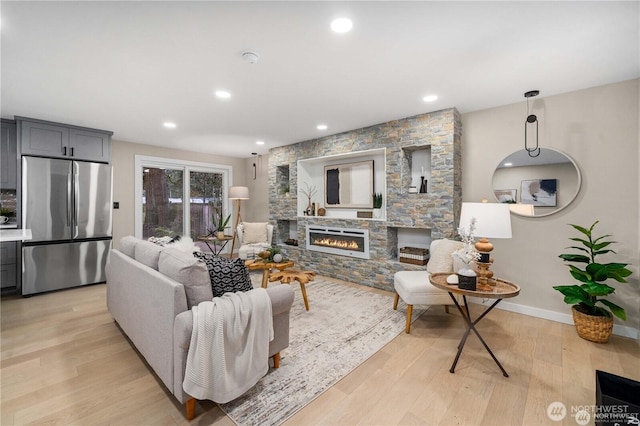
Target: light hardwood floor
64,361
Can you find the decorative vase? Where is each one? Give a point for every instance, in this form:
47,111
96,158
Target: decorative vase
377,213
423,185
467,278
220,235
593,328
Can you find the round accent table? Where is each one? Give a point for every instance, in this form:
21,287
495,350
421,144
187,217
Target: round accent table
500,289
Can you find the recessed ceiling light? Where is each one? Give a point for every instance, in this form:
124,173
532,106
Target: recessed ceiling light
508,164
430,98
169,125
341,25
223,94
321,127
259,142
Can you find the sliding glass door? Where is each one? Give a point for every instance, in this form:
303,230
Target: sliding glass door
206,198
162,202
178,197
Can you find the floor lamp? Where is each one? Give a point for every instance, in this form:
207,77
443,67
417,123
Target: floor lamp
237,193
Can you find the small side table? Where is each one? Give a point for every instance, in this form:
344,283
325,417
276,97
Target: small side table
218,243
266,267
502,290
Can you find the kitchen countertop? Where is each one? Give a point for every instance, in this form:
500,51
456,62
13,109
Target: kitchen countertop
15,235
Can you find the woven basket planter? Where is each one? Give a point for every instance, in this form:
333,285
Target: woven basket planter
593,328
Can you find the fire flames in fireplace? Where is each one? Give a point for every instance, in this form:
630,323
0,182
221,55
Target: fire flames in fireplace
341,241
331,242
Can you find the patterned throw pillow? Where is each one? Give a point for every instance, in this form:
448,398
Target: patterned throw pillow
227,275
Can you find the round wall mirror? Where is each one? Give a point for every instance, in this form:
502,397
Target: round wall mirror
537,186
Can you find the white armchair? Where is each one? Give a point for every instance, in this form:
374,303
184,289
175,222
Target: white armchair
414,288
253,238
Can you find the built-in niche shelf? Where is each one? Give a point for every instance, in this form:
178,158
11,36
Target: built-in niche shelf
399,237
311,177
285,229
282,180
416,165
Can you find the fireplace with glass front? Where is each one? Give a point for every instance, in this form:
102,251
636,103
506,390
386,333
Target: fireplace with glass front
339,241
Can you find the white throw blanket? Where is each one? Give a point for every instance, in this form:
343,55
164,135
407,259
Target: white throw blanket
229,349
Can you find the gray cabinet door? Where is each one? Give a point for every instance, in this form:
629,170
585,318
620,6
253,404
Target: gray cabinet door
47,139
8,264
44,139
89,145
8,159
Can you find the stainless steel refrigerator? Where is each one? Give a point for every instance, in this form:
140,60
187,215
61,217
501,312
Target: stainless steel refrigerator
67,206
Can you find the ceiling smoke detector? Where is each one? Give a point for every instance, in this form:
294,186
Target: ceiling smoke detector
250,57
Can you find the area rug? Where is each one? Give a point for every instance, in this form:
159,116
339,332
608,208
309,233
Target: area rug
343,328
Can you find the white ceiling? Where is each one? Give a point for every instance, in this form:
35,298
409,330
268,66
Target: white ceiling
130,66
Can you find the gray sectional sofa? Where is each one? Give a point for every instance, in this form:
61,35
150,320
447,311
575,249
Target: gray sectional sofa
150,291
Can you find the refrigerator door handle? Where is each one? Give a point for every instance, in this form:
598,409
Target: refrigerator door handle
76,195
69,199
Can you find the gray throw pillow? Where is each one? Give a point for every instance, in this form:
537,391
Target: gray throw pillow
189,271
227,275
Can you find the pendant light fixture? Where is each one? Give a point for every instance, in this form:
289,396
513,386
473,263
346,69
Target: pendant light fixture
529,122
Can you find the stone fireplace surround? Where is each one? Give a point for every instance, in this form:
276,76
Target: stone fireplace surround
435,212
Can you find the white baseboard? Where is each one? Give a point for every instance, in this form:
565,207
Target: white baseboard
619,330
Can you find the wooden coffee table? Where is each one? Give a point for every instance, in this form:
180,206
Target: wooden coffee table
290,275
266,267
500,290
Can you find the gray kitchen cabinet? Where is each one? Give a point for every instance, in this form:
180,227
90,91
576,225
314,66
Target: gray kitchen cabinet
8,157
8,264
47,139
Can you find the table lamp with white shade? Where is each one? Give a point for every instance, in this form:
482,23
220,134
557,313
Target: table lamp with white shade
237,193
493,220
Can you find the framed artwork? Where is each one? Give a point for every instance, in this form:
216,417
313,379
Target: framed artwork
539,192
349,185
506,195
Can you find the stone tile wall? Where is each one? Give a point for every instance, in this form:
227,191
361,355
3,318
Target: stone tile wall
437,211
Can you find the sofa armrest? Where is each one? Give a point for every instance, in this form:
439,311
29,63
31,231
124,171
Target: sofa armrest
281,298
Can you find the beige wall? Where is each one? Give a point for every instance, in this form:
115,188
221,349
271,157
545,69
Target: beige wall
123,160
598,127
257,206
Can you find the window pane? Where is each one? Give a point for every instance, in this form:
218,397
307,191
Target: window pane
162,202
206,196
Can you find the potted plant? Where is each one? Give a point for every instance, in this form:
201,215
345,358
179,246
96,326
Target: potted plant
219,223
377,205
592,319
